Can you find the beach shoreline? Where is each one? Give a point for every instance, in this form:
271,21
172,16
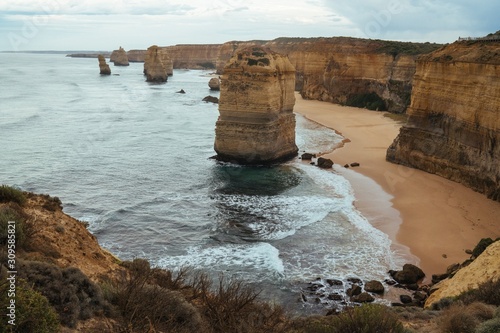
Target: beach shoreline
430,220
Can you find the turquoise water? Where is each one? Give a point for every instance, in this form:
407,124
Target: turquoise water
133,160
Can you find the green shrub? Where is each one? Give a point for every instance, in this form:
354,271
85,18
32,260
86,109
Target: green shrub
490,326
8,214
68,290
10,194
371,101
369,318
33,311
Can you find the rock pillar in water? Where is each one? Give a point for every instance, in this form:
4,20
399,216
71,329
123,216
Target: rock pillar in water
119,57
163,56
153,66
103,66
256,123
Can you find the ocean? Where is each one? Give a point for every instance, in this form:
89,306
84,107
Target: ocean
133,160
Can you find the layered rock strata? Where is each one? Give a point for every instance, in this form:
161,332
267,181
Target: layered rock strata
103,66
154,68
347,70
256,123
454,118
154,56
119,57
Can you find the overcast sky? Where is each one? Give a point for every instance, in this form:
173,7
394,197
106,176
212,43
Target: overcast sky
137,24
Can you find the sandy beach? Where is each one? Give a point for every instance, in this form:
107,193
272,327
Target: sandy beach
431,220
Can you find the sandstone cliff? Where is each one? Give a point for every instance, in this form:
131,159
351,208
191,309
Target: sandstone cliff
484,268
119,57
201,56
454,118
103,66
154,67
136,55
256,123
359,72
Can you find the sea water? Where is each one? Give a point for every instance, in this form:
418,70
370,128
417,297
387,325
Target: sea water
133,160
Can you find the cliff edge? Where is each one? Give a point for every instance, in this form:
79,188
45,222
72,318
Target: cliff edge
453,128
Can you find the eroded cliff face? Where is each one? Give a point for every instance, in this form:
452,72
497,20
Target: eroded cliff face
256,123
201,56
345,70
454,118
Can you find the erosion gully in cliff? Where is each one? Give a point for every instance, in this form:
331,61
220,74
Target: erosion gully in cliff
454,117
256,123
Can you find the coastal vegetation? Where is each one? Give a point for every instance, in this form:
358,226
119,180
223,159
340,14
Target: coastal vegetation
141,298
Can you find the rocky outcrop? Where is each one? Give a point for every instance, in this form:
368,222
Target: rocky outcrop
154,68
256,123
359,72
119,57
483,269
453,128
103,66
157,55
214,84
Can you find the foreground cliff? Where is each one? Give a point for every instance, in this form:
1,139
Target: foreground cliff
454,118
483,269
256,123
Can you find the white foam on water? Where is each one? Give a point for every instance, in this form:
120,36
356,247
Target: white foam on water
277,217
261,260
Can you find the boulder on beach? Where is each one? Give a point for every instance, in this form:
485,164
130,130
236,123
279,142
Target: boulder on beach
214,84
307,156
324,163
410,274
375,287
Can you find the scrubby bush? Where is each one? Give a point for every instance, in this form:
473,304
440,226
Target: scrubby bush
33,311
8,214
232,306
460,318
144,305
68,290
490,326
370,318
488,292
229,306
10,194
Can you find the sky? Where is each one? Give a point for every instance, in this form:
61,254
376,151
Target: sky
137,24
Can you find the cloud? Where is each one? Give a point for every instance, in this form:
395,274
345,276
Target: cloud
422,20
72,24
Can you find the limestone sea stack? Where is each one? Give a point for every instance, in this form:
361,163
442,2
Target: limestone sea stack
453,128
153,66
103,66
161,55
119,57
256,123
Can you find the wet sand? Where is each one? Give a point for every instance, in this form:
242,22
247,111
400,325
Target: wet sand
431,220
